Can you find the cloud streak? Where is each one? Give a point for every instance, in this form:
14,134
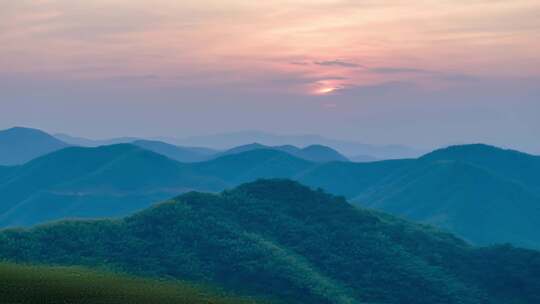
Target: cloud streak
399,70
337,63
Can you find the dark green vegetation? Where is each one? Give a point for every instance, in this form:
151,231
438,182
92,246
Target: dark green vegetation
484,194
48,285
19,145
280,239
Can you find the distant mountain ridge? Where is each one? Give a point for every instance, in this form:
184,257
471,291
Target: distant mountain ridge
348,148
226,141
92,143
282,241
315,153
19,145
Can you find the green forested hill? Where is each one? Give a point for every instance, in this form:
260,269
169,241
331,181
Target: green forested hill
52,285
280,239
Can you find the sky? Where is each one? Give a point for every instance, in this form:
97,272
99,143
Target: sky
420,73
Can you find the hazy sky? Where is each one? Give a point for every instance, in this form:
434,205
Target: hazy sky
422,73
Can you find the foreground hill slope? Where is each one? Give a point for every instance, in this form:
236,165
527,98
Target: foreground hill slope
48,285
19,145
280,239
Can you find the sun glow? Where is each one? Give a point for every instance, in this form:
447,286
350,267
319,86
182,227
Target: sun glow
325,90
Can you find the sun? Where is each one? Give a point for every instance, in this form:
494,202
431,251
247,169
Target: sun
325,87
325,90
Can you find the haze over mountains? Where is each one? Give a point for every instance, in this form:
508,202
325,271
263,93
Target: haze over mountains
283,241
226,141
34,143
353,149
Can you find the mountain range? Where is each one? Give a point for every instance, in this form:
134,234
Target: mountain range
282,241
353,150
20,145
349,148
484,194
315,153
